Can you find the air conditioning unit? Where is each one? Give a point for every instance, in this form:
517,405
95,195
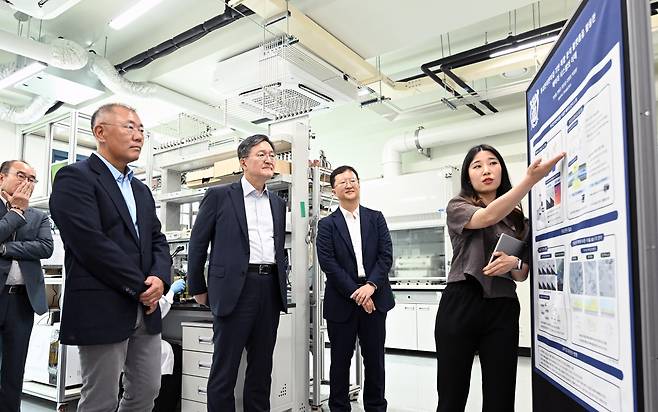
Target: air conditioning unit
42,9
280,80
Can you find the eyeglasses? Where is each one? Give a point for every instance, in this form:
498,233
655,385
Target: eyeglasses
129,127
263,155
23,176
352,182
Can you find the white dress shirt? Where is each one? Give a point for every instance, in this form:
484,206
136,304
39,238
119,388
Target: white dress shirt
15,276
353,221
260,225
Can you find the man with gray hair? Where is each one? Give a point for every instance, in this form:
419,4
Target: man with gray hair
246,286
117,267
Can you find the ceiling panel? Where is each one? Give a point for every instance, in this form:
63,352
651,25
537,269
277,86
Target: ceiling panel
375,27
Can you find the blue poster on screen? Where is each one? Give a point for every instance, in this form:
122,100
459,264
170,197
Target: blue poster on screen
583,337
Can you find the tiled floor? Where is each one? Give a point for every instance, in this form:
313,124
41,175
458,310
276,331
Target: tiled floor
410,386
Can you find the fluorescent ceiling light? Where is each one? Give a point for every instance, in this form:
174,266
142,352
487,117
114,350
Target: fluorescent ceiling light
132,13
364,91
524,46
21,74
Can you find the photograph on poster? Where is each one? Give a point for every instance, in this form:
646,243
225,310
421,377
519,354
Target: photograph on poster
551,296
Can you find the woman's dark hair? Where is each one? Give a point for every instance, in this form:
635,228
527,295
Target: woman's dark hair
469,193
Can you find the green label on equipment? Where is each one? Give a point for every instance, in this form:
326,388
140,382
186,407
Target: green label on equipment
302,208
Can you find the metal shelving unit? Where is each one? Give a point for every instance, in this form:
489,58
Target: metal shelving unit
288,137
69,135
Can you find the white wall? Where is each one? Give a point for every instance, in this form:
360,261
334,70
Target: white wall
356,137
8,140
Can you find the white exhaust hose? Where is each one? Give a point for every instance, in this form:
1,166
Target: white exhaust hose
68,55
27,114
117,84
61,53
489,125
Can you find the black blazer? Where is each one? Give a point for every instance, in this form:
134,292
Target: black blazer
338,262
106,263
222,222
33,241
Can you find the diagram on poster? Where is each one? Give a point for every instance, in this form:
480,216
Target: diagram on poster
589,137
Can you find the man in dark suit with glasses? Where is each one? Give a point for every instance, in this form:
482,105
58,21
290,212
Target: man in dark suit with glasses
355,253
246,287
25,238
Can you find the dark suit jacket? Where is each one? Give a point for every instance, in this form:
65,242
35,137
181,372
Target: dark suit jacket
106,263
222,220
338,262
33,241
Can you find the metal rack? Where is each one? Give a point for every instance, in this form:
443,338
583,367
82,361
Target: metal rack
67,134
291,136
57,393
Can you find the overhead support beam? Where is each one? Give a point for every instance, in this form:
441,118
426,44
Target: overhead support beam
486,51
456,94
483,53
470,90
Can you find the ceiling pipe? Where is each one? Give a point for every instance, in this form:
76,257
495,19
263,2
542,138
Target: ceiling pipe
60,53
486,126
118,84
189,36
181,40
479,54
27,114
66,55
484,52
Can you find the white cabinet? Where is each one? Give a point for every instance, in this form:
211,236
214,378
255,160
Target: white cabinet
401,327
410,324
425,322
197,359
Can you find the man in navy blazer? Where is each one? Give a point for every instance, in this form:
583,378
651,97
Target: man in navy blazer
245,225
355,253
117,266
25,238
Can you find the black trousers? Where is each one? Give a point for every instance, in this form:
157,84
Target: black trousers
252,325
371,330
16,320
468,323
